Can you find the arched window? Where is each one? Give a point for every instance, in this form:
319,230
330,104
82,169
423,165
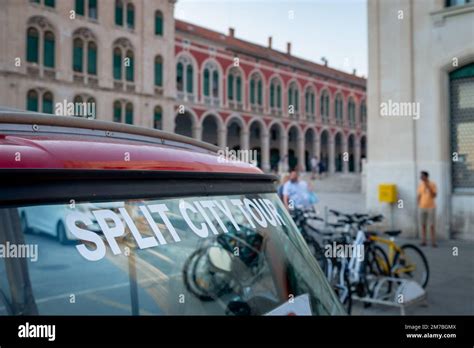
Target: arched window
119,12
123,60
129,66
48,103
84,105
324,104
124,9
158,117
40,42
211,82
32,101
86,8
91,58
338,112
234,87
159,23
256,90
129,113
275,95
32,45
158,71
78,55
49,50
38,100
363,115
293,99
309,101
184,76
351,112
84,54
123,112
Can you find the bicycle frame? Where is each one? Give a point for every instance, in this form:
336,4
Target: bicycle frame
393,250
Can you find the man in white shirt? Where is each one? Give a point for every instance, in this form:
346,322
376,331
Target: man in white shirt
295,192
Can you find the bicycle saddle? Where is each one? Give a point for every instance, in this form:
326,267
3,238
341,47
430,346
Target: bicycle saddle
393,233
335,224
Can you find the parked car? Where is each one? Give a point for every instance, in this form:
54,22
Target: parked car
158,223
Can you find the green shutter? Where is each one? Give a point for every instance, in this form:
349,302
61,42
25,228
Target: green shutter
297,101
179,76
50,3
117,112
158,74
32,101
32,46
157,119
239,88
117,68
49,51
129,115
312,104
290,97
77,56
118,13
189,79
272,95
93,10
206,82
230,87
130,70
215,83
279,96
252,91
130,16
47,105
259,93
92,59
158,24
80,7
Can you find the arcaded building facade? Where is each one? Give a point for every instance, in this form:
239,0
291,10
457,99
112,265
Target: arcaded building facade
136,64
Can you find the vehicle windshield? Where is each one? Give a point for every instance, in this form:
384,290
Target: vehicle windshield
212,255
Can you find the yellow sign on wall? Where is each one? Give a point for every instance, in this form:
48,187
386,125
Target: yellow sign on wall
388,193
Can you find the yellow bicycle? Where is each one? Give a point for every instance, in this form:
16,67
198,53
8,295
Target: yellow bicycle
406,261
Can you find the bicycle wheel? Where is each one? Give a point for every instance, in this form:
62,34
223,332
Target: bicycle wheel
377,261
411,264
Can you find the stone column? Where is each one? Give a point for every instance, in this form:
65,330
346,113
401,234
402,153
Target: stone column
300,149
222,137
244,139
332,155
357,168
197,132
345,155
265,152
284,151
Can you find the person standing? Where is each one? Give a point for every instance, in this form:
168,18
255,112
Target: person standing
314,167
296,193
426,196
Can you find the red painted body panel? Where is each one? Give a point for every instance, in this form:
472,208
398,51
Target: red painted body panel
87,152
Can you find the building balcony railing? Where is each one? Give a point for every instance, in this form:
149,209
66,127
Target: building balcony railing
86,79
257,108
214,101
276,112
236,105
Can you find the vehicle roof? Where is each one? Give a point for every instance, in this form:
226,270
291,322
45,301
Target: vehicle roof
41,141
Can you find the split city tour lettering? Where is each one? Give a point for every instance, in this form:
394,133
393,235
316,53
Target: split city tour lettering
113,223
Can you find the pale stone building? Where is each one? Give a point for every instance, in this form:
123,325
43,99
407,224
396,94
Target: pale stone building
422,52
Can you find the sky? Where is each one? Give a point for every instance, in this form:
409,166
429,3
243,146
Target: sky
334,29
